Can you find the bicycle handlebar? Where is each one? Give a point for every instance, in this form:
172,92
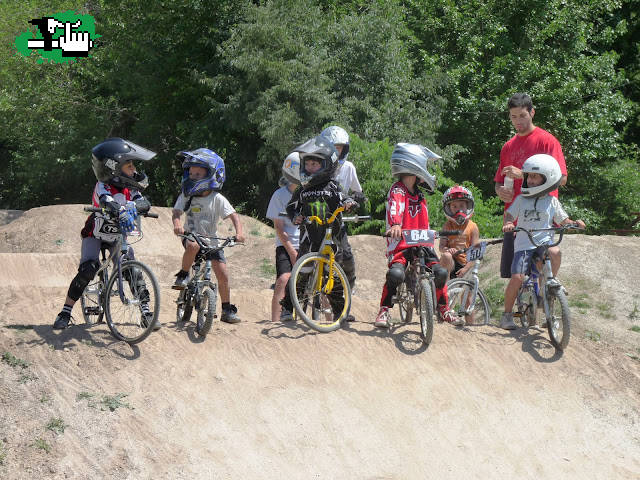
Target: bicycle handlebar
196,237
561,230
104,210
486,242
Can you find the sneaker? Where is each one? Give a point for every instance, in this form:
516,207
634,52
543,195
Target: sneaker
62,321
382,320
449,316
506,322
182,279
286,315
229,315
146,318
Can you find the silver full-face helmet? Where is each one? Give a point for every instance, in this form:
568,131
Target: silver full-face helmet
413,159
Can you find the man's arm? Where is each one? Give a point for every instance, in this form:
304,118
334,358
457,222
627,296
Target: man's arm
177,224
278,223
237,224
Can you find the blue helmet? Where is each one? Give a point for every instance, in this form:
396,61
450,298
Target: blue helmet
207,159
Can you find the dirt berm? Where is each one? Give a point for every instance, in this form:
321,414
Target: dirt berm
278,401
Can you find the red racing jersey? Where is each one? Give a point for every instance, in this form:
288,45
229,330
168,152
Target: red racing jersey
409,210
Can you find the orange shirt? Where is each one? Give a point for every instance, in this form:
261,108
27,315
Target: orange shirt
460,241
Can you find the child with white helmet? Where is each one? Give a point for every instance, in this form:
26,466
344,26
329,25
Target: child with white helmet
534,208
203,177
407,210
347,180
287,234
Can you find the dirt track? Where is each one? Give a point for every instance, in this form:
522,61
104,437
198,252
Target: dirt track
265,400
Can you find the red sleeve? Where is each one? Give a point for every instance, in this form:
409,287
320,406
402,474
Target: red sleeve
395,205
556,152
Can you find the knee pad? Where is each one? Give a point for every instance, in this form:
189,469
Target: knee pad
440,275
86,271
395,275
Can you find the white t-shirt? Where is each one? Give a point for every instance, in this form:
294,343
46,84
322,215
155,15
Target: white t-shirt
204,213
277,204
532,213
347,178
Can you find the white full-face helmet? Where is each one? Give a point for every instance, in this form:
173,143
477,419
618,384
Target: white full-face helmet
338,136
548,167
414,159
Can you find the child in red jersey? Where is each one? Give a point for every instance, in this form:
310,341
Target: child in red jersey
407,210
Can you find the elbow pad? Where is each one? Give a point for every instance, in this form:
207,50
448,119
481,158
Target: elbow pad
142,205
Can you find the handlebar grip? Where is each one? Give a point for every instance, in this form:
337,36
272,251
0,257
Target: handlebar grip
151,215
92,209
449,233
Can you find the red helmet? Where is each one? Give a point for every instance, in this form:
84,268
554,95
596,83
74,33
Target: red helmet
458,192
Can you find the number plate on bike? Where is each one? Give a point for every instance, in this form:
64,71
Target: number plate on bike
419,238
476,252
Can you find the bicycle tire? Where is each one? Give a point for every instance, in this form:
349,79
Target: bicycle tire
305,295
125,320
405,302
526,306
425,309
558,322
184,306
206,308
92,299
460,292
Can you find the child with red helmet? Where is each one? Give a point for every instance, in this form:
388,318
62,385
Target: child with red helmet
458,205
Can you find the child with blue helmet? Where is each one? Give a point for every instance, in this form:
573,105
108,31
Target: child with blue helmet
203,177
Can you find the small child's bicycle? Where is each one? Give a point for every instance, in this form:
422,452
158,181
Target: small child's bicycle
466,298
130,313
552,297
418,288
318,283
201,292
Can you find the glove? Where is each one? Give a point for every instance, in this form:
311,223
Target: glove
131,208
126,221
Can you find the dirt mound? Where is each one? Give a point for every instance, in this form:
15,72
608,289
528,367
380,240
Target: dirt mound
270,400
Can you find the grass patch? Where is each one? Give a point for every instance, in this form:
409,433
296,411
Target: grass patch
591,335
56,425
267,269
45,398
635,328
494,292
3,455
26,377
271,235
635,313
12,361
255,232
579,301
634,357
604,309
42,444
114,402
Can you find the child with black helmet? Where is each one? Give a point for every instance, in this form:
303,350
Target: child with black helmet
407,210
203,177
118,190
534,208
320,195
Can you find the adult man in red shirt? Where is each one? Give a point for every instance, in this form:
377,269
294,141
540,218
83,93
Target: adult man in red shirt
529,140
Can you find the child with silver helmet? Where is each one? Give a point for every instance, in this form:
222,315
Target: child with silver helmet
118,190
534,208
287,234
319,194
203,177
407,210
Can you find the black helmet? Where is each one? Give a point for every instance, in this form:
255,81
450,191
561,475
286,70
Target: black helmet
322,150
108,157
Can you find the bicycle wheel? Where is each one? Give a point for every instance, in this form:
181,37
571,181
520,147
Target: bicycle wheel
559,320
404,299
460,297
316,296
140,291
527,306
206,308
92,299
184,305
425,308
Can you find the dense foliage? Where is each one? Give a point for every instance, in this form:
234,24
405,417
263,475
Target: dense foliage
252,79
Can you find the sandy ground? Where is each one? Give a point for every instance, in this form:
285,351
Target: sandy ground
271,400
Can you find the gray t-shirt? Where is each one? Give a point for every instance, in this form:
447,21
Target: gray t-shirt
204,213
531,213
277,204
